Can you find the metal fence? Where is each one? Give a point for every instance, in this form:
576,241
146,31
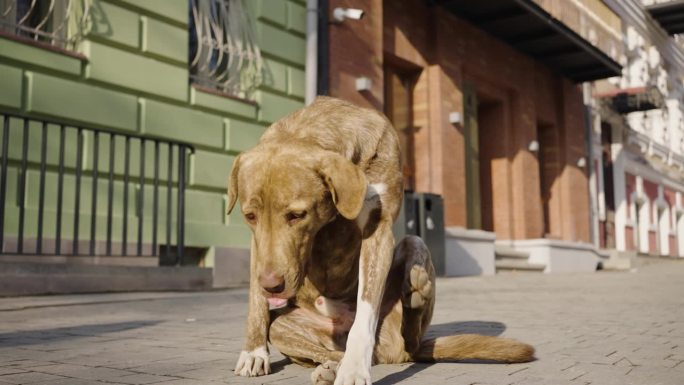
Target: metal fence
104,166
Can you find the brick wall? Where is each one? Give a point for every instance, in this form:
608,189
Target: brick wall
516,94
357,52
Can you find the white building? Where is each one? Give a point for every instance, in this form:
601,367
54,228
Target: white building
638,136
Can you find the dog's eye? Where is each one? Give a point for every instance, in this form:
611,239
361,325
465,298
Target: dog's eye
250,217
294,217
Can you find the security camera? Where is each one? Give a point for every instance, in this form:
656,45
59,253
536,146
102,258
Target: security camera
339,14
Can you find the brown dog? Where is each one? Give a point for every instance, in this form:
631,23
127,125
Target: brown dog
320,192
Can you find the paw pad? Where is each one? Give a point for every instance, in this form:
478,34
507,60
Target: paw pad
418,287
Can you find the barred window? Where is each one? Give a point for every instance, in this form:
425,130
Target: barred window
223,54
59,23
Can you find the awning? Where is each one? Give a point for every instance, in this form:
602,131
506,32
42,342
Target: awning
635,99
669,14
530,29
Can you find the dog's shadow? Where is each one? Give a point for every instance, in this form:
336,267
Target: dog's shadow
487,328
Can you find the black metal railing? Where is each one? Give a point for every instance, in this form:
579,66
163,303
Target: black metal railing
21,134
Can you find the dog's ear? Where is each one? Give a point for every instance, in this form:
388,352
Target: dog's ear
233,184
346,182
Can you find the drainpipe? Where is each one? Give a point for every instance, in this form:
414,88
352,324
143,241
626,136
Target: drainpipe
311,73
323,82
589,124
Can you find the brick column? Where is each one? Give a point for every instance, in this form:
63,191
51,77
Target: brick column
575,213
495,154
448,174
527,208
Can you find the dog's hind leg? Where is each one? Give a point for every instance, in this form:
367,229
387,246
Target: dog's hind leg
418,290
306,337
407,304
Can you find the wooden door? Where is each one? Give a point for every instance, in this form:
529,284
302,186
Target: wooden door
399,109
472,157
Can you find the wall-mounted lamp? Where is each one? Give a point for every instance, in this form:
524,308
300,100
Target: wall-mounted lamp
533,146
339,14
455,118
363,84
581,162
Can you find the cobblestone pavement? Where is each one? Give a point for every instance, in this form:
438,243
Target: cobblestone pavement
604,328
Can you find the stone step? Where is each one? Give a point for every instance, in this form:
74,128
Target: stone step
507,252
106,260
517,264
26,278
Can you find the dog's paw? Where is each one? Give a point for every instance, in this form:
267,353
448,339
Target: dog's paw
417,288
254,363
324,374
352,372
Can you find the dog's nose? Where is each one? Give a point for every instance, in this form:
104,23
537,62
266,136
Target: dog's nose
272,282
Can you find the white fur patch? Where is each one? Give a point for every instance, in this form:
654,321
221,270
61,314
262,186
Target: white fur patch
254,363
372,201
379,188
356,363
358,355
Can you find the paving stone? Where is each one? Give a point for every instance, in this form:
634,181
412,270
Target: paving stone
184,381
163,368
82,372
29,377
142,379
10,370
67,381
601,329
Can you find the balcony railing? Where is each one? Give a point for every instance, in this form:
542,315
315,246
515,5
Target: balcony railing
127,188
592,20
57,23
223,53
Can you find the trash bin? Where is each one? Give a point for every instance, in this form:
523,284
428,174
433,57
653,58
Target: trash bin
422,214
431,228
408,221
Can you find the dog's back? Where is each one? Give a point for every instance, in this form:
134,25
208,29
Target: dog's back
335,125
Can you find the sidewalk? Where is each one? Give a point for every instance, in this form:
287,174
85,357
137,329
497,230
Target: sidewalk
603,329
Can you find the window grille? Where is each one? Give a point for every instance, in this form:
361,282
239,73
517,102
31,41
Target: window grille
223,54
59,23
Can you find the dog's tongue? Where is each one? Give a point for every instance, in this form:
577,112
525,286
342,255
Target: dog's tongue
276,303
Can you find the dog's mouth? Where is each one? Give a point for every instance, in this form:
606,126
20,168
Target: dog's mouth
276,303
278,300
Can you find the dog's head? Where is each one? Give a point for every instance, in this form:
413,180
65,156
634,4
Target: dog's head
287,194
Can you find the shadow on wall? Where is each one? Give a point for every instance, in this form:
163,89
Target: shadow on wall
488,328
100,22
43,336
268,80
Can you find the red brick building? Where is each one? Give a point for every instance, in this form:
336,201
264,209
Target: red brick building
488,101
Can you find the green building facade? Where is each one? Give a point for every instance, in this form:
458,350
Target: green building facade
129,73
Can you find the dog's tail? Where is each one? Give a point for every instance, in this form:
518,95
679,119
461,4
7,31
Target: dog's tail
473,347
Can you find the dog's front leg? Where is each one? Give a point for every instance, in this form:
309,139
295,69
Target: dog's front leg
375,262
254,359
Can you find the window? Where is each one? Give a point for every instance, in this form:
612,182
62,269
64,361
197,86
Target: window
58,23
223,55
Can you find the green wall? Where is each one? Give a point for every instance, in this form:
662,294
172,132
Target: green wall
134,78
